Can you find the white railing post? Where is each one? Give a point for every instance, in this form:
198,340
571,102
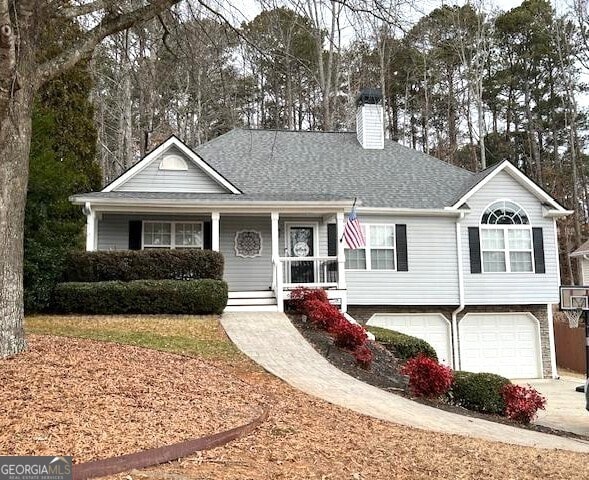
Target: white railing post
215,216
279,285
277,280
341,254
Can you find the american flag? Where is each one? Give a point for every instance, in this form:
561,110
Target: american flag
353,231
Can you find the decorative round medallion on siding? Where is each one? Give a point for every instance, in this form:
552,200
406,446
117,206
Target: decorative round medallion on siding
248,244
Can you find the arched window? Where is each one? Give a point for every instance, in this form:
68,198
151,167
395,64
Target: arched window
173,162
506,238
504,212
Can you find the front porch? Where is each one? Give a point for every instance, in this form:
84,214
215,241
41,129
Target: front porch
267,254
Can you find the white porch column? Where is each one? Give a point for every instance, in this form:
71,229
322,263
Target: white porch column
91,228
275,216
341,260
276,265
553,368
215,216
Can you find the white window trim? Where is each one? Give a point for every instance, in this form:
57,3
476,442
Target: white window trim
506,250
369,247
503,200
172,245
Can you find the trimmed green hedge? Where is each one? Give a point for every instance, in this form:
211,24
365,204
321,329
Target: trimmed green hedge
403,346
141,296
129,265
479,391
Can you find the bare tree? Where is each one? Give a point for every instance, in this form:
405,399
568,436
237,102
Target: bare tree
22,72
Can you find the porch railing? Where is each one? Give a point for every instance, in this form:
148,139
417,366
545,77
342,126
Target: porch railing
312,271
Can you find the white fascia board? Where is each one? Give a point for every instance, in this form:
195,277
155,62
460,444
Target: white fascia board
408,212
550,213
175,206
517,175
206,167
135,169
172,141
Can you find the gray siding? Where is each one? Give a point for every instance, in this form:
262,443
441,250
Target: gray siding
244,274
113,229
152,179
510,288
432,278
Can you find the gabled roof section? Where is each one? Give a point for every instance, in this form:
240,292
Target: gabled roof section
173,143
480,179
582,250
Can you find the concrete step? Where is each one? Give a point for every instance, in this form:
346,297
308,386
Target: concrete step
252,294
252,301
251,308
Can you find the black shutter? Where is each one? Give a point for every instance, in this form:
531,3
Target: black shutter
135,231
331,240
207,236
474,244
538,240
401,234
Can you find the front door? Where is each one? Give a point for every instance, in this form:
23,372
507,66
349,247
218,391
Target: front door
300,245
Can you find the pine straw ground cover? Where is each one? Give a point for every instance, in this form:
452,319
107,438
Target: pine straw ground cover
306,438
97,399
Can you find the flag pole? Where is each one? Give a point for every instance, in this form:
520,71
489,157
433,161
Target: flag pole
353,206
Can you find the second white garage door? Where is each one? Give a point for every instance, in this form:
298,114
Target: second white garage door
431,327
507,344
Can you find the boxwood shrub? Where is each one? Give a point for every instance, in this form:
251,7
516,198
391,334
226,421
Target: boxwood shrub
402,346
479,391
141,296
129,265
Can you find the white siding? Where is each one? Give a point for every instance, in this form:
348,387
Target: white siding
152,179
432,278
510,288
243,274
113,229
369,126
584,263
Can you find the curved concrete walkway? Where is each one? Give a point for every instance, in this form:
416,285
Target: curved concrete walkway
273,342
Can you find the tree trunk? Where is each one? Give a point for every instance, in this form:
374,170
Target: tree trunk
15,139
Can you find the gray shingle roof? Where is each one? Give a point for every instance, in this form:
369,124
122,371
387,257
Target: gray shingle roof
285,163
473,180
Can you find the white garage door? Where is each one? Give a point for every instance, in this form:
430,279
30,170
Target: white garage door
507,344
431,327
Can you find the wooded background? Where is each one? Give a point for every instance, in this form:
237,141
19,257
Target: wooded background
470,84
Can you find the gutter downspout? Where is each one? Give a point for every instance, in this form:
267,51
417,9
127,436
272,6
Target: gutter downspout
455,358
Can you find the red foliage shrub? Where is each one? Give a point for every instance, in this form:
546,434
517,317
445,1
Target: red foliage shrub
522,403
299,296
322,314
348,335
427,378
363,356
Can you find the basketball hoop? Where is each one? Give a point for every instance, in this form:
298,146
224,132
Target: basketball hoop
573,316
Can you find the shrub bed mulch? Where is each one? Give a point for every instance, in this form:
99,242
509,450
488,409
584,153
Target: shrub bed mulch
384,373
95,400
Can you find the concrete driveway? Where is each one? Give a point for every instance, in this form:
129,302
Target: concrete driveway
565,408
